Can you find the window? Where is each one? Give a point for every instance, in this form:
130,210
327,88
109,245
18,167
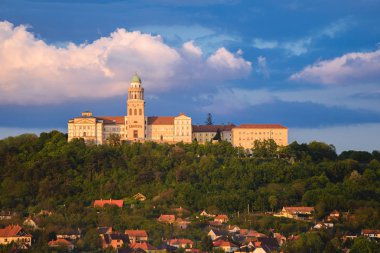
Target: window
84,134
135,134
140,111
135,111
130,111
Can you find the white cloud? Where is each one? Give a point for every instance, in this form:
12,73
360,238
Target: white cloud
264,44
229,101
301,46
262,66
34,72
351,68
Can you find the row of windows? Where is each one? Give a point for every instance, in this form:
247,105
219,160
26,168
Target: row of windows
134,112
259,133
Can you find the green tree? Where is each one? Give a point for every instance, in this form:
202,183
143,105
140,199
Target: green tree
206,244
209,119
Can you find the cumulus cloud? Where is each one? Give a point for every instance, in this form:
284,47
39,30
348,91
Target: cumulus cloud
348,69
35,72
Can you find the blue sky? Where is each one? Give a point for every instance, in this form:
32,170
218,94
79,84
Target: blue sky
313,66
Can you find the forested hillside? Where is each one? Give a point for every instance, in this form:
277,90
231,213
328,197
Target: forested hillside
47,173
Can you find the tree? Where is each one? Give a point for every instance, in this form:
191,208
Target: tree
209,120
206,244
363,245
273,202
218,136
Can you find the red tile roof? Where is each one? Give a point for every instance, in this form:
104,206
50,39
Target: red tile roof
112,119
13,231
371,231
167,218
221,217
103,202
161,120
60,242
180,241
223,243
299,209
211,128
261,126
142,245
139,233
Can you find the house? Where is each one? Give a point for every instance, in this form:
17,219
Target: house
221,218
139,196
253,234
70,234
371,233
7,215
45,213
144,246
233,229
61,243
130,250
296,212
180,243
180,211
30,223
280,238
269,243
104,230
205,214
217,233
182,224
333,216
111,202
166,218
225,245
137,235
324,225
15,233
114,240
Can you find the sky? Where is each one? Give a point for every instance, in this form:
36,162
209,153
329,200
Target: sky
313,66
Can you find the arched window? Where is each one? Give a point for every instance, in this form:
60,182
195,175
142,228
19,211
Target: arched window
135,111
140,111
130,111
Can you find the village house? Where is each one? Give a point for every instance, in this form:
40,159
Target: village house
221,218
333,216
104,230
114,240
180,243
205,214
166,218
182,224
61,243
7,215
15,233
111,202
217,234
148,248
296,212
70,234
137,235
371,233
30,223
225,245
139,196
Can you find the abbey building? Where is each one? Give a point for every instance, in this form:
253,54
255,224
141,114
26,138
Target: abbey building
136,126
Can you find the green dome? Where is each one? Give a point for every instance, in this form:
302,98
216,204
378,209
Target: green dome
136,79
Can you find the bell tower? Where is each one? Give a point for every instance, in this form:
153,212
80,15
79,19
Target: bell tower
135,110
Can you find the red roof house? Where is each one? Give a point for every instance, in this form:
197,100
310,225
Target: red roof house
102,202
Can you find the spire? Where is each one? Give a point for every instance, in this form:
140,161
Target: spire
136,79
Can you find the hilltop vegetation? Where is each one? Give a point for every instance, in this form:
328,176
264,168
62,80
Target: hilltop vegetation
47,173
